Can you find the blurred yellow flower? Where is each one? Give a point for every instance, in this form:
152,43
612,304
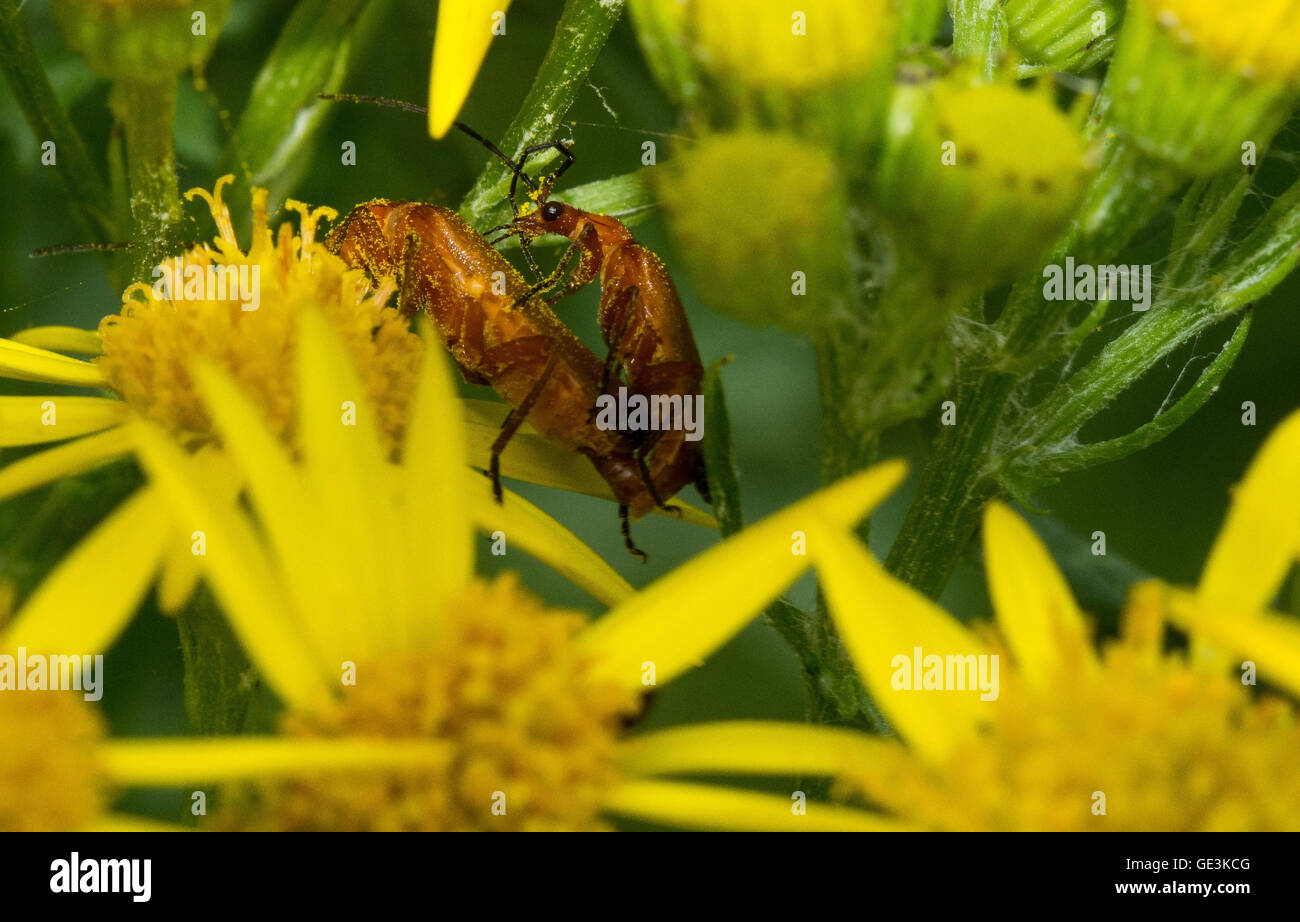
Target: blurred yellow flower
1137,737
365,618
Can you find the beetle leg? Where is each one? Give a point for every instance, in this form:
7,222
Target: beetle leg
408,300
588,249
639,454
625,529
514,419
630,295
557,275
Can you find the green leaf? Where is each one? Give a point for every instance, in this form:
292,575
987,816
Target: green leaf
1265,257
272,140
723,483
1203,218
1053,460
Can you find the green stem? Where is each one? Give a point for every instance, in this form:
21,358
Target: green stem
960,475
978,33
954,486
147,112
219,680
580,36
49,122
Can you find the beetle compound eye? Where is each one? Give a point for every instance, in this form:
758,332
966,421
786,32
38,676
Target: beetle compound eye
551,211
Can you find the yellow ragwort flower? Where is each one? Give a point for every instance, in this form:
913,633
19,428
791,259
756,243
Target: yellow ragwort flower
1061,737
364,617
773,43
144,357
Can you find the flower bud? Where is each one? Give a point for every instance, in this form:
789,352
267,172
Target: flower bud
143,41
1195,80
759,221
976,181
818,68
1070,35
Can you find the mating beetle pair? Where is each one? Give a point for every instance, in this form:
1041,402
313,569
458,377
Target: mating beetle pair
509,338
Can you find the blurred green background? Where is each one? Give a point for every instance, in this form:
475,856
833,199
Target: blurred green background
1159,510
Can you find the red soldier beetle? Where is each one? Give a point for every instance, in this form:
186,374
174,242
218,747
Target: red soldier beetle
497,331
640,314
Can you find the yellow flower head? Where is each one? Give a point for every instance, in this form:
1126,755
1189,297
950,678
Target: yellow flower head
49,776
748,206
363,615
1137,740
530,735
241,308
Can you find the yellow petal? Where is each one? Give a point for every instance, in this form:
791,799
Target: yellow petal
167,763
751,748
61,339
1036,612
701,806
546,539
33,420
882,621
532,458
463,35
1270,641
71,458
290,520
27,363
436,514
681,618
239,574
350,488
89,597
180,571
1260,537
178,577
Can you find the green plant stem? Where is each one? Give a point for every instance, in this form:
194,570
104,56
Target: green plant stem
961,473
147,112
954,487
219,680
49,122
581,34
978,33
